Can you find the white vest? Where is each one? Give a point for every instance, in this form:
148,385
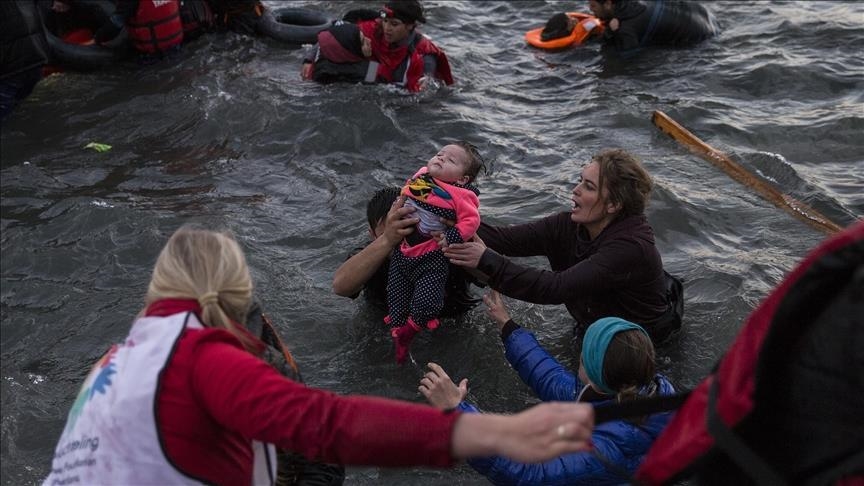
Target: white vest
111,435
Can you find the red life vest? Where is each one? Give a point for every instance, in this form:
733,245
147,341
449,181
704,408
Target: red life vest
156,26
783,405
389,58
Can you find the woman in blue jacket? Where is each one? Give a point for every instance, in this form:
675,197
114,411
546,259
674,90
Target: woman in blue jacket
617,364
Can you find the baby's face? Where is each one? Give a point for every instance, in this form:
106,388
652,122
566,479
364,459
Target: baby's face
450,164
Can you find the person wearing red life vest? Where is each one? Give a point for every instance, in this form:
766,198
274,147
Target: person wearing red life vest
154,26
385,48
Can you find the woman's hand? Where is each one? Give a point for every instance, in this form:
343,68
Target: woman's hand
496,308
365,45
549,430
398,223
440,390
613,24
538,434
465,254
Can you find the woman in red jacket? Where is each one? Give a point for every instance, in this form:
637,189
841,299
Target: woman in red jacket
186,399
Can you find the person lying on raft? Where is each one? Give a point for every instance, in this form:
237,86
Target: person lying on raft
385,49
634,24
616,365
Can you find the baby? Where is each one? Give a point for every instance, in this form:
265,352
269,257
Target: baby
418,268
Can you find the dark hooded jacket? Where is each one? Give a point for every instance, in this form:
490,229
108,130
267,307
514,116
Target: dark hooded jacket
24,46
619,273
659,23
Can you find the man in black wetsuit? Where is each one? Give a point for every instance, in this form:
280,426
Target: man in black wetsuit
633,24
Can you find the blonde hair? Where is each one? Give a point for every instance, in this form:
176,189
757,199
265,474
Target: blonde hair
207,266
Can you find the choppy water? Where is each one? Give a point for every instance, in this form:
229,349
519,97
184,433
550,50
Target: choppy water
229,135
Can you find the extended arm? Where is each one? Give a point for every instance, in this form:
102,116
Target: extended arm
549,380
246,395
537,285
520,240
538,369
609,268
353,274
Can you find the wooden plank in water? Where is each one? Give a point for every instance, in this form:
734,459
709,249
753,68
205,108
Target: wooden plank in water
783,201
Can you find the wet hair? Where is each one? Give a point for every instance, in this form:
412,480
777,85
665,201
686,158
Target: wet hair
628,364
207,266
625,180
556,27
380,203
475,160
408,11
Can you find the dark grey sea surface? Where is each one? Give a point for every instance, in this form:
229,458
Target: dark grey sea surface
228,135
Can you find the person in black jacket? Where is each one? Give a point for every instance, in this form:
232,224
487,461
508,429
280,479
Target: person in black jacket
633,24
603,260
23,53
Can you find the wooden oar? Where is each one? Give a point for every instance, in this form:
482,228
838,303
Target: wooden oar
742,175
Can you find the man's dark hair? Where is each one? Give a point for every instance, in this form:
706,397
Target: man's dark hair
556,27
475,160
408,11
380,203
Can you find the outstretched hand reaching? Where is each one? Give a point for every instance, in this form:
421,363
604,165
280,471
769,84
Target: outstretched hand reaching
440,390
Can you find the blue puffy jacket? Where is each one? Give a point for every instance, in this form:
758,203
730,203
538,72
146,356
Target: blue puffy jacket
621,442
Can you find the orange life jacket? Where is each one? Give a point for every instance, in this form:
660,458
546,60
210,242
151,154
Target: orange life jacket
586,25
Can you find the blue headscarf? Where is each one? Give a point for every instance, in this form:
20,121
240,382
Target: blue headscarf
594,345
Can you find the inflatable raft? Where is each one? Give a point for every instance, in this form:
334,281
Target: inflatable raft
293,25
73,47
586,25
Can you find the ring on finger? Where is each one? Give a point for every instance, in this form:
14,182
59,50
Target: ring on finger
560,431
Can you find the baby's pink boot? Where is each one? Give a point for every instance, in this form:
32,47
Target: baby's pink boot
402,337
